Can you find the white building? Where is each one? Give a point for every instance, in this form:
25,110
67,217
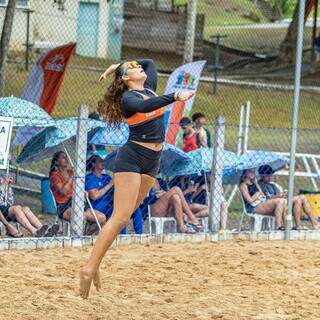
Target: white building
84,22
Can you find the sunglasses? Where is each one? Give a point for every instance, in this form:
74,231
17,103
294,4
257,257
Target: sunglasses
130,65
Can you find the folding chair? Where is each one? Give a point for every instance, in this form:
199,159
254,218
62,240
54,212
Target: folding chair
258,222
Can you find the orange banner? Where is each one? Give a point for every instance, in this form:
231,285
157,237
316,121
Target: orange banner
44,82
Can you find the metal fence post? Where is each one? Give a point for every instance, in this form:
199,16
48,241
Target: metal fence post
190,32
79,173
244,128
241,131
295,115
216,189
247,109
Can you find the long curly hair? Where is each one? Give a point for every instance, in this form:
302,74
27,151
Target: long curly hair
109,107
54,161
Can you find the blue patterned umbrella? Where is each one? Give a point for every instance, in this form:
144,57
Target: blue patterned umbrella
55,138
175,162
170,154
200,161
25,113
254,160
115,135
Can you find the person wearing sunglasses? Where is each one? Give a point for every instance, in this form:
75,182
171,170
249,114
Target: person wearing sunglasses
131,98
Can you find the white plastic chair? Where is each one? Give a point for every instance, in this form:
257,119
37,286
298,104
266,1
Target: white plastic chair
2,229
259,222
158,224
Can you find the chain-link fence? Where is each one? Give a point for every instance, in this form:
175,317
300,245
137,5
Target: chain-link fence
60,179
247,63
249,60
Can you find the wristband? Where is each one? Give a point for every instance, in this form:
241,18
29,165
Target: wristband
178,96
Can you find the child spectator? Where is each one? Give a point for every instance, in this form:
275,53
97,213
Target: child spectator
191,139
199,120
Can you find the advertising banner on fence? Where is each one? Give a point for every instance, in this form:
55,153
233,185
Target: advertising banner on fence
44,82
6,125
184,78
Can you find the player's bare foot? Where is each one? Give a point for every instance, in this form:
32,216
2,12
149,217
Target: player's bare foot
97,280
86,278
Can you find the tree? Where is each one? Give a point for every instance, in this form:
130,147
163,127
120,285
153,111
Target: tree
288,45
283,5
6,35
5,41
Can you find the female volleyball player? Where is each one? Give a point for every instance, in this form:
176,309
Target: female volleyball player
131,97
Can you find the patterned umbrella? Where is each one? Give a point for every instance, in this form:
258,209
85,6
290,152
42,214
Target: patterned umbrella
254,160
115,135
175,162
200,161
25,113
55,138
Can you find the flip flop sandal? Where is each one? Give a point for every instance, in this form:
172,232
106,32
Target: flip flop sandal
16,235
189,230
52,231
42,231
197,227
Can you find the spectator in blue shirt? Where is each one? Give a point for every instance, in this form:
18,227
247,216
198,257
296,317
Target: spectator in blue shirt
100,191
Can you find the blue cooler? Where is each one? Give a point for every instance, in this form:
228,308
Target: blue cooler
47,200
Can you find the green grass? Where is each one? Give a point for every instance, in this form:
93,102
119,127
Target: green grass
257,40
225,12
269,108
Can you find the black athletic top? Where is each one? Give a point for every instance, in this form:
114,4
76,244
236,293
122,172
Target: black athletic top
132,102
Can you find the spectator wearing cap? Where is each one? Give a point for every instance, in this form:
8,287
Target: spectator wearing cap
95,149
273,191
199,120
100,191
191,139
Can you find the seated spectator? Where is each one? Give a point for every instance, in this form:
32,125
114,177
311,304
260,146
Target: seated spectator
172,203
191,139
196,193
11,230
61,184
199,120
274,191
256,201
21,214
100,190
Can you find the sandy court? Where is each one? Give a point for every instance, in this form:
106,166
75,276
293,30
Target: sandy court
225,280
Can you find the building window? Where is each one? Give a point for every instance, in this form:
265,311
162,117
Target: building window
20,3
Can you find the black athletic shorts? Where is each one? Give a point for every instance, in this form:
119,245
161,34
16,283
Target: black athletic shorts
133,157
6,214
62,207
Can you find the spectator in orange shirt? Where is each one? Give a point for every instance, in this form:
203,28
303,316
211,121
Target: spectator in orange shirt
61,184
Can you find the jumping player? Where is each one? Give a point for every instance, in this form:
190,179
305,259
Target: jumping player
131,97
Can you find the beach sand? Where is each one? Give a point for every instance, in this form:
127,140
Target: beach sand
224,280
